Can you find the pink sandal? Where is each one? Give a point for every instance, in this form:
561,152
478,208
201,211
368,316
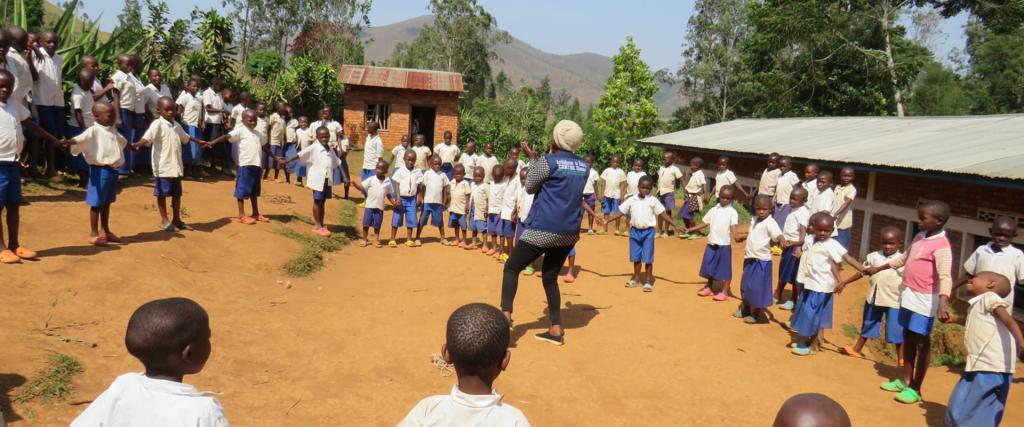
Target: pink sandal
721,296
705,292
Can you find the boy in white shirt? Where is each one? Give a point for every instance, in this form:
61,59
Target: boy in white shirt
756,281
507,226
786,183
126,93
717,262
643,211
103,149
476,342
794,233
447,152
883,298
80,103
276,133
373,148
613,182
668,175
469,158
171,337
214,112
727,177
154,91
842,206
407,180
434,190
769,177
398,153
47,94
590,192
190,109
422,152
633,178
488,162
252,146
998,256
458,208
810,182
478,209
303,138
377,189
824,200
697,195
495,200
320,161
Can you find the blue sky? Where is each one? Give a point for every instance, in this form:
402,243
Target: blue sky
557,26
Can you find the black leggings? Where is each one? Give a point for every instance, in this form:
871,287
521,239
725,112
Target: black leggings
524,254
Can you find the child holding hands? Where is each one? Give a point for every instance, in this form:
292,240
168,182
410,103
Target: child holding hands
252,146
320,161
883,299
643,211
717,262
103,149
756,282
377,189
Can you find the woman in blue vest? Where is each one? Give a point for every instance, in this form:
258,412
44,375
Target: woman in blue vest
553,226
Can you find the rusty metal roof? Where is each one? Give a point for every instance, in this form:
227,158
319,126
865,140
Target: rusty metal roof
400,78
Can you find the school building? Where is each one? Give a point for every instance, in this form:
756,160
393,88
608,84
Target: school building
402,101
974,163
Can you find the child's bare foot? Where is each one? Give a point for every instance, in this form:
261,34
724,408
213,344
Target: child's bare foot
98,241
262,218
362,242
111,237
248,220
850,351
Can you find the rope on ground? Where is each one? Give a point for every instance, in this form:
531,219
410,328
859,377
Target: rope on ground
446,368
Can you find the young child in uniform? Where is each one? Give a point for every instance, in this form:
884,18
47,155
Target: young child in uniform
263,127
794,232
513,154
999,256
819,275
459,190
476,342
787,181
252,146
422,152
469,159
883,298
769,177
435,197
341,148
398,153
80,104
277,129
633,178
810,182
508,208
643,211
842,206
320,161
727,177
495,200
167,139
523,207
756,282
668,175
171,337
304,137
103,149
613,183
377,189
696,195
488,162
447,151
717,263
824,200
125,94
589,192
478,209
406,179
190,109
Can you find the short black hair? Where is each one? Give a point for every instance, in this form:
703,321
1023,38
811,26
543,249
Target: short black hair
162,328
936,207
647,179
826,174
763,198
1004,221
477,338
699,161
889,229
821,217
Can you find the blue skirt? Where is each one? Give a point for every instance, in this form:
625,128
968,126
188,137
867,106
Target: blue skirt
812,313
979,399
684,212
102,188
717,263
781,213
756,283
192,153
788,266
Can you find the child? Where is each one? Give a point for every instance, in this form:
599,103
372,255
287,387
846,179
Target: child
407,180
756,282
447,152
819,274
47,94
727,177
787,181
643,211
171,337
373,149
190,109
589,192
717,263
341,173
811,410
993,342
883,299
81,102
769,177
508,208
422,152
842,206
377,188
495,200
303,137
823,201
696,195
434,191
477,339
999,255
252,146
488,162
668,175
214,111
633,178
103,149
478,208
155,90
276,134
166,137
794,231
125,94
523,207
926,289
613,181
398,153
458,208
291,139
811,182
320,161
263,127
469,158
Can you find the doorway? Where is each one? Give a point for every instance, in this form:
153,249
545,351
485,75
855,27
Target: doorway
421,120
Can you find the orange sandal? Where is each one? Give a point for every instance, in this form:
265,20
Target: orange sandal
112,238
262,218
25,253
98,241
8,257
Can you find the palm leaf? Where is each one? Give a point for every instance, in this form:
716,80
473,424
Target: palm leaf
63,27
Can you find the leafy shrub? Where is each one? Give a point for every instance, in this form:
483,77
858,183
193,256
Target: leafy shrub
264,64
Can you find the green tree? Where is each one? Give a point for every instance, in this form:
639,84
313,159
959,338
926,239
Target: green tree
264,64
215,57
506,122
938,91
320,27
996,77
33,13
1001,16
129,25
166,42
626,111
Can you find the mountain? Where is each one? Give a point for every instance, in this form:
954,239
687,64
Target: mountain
583,75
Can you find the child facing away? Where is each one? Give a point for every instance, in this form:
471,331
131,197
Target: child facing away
696,190
406,179
999,256
167,139
668,175
842,206
613,183
993,342
476,342
495,199
509,201
819,275
103,149
794,232
459,191
716,265
725,177
883,298
377,189
434,188
479,191
252,146
926,288
590,193
320,161
643,211
171,337
756,282
190,109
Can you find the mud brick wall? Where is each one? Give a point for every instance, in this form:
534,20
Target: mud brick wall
401,102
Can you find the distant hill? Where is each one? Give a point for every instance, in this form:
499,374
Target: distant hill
583,75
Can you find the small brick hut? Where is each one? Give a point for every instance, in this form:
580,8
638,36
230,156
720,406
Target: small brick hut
403,101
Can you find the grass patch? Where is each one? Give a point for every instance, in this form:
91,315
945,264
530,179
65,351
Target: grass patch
310,258
53,382
948,345
850,331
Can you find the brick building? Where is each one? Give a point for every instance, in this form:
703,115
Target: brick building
402,101
974,163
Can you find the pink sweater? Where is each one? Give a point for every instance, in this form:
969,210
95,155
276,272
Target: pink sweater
928,264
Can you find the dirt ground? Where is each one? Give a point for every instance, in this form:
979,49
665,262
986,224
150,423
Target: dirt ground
352,344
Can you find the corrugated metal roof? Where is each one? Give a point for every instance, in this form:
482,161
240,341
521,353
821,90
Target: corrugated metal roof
400,78
988,146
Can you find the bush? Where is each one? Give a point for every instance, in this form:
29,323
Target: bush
264,64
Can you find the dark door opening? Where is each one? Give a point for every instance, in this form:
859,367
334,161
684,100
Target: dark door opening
421,121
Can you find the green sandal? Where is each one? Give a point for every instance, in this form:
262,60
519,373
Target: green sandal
895,386
908,396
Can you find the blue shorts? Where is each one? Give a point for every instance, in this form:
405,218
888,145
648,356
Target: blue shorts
290,150
247,183
641,244
192,153
10,184
102,188
610,205
493,224
341,174
506,228
373,218
915,322
813,313
366,173
717,262
457,220
406,210
590,200
167,187
478,226
277,150
434,211
668,201
979,399
872,323
323,194
448,170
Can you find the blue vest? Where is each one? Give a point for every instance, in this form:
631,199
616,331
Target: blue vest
557,206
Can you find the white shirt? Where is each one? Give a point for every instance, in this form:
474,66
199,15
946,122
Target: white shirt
488,163
250,145
18,66
812,191
990,346
886,285
136,400
1009,262
100,145
760,237
510,199
47,90
335,128
320,163
278,132
633,182
459,191
643,212
815,271
667,177
152,95
469,162
262,127
479,200
613,179
434,184
495,197
398,154
447,152
525,204
422,154
842,194
592,177
723,178
796,221
126,89
215,100
784,187
12,139
373,150
166,138
464,410
236,113
719,220
191,108
408,181
303,137
769,181
696,183
139,107
376,191
81,100
823,202
289,131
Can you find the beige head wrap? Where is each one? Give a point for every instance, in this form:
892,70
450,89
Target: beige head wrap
567,135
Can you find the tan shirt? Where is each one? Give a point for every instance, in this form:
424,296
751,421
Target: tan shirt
990,346
769,180
277,129
842,194
458,191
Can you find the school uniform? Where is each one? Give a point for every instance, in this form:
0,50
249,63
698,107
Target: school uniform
643,216
488,163
134,399
191,113
612,179
723,178
694,189
47,94
823,201
717,261
236,117
789,264
783,189
769,182
152,95
434,184
83,100
927,274
842,194
979,398
12,142
812,191
883,299
250,144
276,135
756,282
1008,261
589,196
422,155
376,191
166,137
342,147
447,153
320,162
18,66
508,206
814,311
467,410
373,151
469,163
215,121
667,177
633,183
407,183
304,139
495,200
457,209
130,121
478,206
291,143
398,154
103,149
524,205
